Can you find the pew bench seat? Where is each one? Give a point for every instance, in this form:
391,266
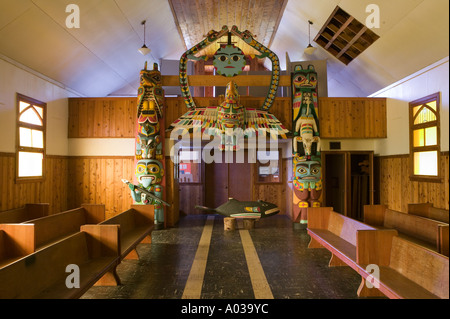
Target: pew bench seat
135,227
338,234
406,270
339,247
43,274
136,224
395,284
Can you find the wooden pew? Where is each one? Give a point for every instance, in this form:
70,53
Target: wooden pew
43,274
428,211
423,231
406,270
53,227
20,215
338,234
335,232
23,239
136,225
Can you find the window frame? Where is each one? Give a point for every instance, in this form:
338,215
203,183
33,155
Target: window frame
43,129
415,149
269,179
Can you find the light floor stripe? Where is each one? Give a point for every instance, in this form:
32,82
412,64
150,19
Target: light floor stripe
260,285
193,288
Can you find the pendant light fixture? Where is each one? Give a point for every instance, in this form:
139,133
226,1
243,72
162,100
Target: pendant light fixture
309,49
144,50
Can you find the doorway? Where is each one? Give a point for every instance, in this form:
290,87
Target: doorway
226,180
348,181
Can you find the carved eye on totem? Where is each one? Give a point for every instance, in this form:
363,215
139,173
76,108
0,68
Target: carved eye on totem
299,79
153,168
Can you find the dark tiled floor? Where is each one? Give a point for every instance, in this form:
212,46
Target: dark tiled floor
292,270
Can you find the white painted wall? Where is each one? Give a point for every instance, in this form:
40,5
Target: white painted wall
15,78
432,79
102,146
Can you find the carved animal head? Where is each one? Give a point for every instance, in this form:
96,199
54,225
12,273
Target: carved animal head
230,112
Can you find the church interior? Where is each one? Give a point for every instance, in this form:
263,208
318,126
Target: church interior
224,150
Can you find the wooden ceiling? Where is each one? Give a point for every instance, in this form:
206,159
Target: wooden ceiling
195,18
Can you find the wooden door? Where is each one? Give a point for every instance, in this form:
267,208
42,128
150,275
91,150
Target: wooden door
225,180
216,184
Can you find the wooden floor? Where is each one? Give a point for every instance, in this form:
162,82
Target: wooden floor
199,260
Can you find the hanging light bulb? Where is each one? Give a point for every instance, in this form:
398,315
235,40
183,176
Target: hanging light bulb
144,50
309,49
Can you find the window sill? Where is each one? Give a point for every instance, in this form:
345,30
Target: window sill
426,179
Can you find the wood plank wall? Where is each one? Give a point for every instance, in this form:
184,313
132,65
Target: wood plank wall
102,117
339,117
53,190
352,117
397,191
98,180
276,193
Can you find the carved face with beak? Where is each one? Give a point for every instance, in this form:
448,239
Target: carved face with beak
231,112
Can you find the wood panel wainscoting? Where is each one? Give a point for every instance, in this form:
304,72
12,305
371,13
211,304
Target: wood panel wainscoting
397,191
54,189
98,180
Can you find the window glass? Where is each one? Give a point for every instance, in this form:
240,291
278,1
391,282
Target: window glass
419,138
30,164
31,116
426,163
431,136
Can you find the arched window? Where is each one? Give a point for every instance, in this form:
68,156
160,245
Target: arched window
30,145
424,142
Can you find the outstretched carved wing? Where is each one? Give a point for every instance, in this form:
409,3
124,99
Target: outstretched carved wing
205,120
263,122
196,121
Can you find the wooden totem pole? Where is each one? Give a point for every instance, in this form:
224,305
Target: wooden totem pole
149,154
307,177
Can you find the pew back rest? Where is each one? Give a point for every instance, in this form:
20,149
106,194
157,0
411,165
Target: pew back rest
428,211
345,227
136,216
126,220
28,212
423,266
338,224
421,228
53,227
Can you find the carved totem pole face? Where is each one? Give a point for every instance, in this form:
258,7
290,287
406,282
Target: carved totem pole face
149,172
